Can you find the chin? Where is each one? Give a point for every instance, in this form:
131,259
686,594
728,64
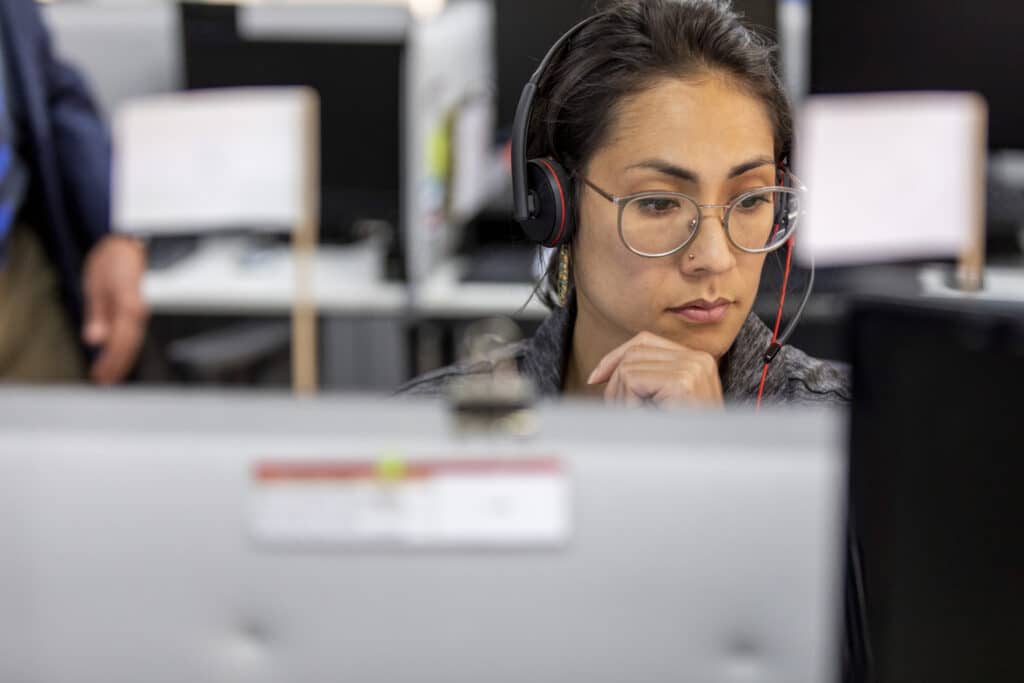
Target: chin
714,338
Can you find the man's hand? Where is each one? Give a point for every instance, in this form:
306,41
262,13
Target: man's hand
648,368
115,314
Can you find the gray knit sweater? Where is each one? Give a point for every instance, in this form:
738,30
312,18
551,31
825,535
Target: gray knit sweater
793,376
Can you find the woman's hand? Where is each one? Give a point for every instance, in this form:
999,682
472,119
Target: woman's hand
648,368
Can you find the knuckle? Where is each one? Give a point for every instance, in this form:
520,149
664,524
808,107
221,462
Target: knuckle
645,337
626,366
633,352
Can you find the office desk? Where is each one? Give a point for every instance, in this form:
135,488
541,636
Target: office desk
444,295
1003,282
363,319
226,275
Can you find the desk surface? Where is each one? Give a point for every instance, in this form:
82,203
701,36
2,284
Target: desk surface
1004,282
445,295
226,275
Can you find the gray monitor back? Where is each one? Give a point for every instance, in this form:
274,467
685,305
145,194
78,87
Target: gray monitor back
700,547
124,49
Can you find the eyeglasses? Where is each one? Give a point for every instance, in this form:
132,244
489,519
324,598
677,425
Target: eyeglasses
654,224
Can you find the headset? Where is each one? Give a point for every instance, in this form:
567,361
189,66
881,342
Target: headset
540,187
542,201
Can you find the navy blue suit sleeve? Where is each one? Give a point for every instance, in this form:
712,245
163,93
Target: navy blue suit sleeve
82,142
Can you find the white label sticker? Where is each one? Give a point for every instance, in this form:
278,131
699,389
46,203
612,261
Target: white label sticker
436,503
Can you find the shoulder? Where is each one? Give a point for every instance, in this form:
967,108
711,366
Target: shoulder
812,380
793,376
437,382
434,383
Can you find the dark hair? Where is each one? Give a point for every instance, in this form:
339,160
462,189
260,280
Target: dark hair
629,46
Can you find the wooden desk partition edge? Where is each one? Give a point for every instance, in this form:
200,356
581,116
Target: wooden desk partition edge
304,241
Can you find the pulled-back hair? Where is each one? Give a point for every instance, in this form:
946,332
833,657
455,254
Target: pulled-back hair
627,49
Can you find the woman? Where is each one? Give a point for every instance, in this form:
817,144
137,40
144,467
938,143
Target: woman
671,123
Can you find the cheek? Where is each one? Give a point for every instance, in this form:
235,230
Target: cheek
607,273
748,271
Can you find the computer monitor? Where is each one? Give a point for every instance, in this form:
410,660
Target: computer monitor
525,29
195,537
937,488
880,45
359,84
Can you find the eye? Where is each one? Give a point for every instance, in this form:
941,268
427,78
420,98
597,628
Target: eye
657,205
753,201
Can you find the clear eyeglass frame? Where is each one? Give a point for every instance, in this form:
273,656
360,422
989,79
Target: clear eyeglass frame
797,189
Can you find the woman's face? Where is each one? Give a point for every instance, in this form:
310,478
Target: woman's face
704,138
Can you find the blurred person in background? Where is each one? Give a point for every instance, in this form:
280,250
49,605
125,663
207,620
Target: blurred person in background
673,130
69,289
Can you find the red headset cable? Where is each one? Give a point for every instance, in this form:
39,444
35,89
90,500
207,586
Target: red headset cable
778,320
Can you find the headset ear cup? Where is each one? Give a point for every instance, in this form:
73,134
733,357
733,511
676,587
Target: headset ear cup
552,221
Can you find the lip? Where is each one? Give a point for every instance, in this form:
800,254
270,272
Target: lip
702,310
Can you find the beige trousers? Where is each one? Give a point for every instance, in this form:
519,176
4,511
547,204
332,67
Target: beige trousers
37,340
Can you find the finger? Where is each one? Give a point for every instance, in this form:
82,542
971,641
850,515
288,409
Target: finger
673,361
613,391
693,388
624,387
631,400
97,318
606,366
646,384
618,392
654,382
680,395
645,355
649,354
120,350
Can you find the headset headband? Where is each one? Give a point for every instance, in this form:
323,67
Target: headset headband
522,203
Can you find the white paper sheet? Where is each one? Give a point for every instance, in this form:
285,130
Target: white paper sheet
206,160
890,177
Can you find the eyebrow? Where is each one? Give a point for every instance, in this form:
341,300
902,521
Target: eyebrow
686,174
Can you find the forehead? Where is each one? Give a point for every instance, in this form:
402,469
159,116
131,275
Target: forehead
707,123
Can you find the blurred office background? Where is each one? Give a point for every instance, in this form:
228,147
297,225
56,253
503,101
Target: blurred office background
416,240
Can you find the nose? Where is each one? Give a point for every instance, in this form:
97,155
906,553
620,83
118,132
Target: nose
710,249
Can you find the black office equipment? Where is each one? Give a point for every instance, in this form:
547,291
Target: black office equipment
937,488
359,89
165,252
527,28
880,45
917,45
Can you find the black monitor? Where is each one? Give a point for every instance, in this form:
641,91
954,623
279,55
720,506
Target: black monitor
359,89
527,28
937,488
890,45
